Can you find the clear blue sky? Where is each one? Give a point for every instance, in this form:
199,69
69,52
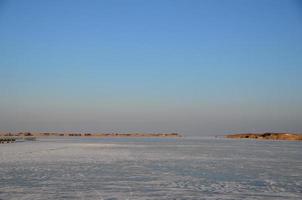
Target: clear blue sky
200,67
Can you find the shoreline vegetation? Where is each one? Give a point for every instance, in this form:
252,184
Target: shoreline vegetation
266,136
12,137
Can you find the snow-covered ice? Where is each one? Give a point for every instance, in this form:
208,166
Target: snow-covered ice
158,168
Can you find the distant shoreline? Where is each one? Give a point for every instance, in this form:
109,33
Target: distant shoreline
91,135
267,136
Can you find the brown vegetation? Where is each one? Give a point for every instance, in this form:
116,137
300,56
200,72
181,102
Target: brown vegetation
267,136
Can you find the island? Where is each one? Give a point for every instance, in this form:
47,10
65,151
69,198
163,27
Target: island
267,136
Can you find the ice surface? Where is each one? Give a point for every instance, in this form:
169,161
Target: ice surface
204,168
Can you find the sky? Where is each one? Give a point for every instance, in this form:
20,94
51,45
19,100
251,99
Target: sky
197,67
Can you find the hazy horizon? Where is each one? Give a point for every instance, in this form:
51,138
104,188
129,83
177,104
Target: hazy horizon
193,67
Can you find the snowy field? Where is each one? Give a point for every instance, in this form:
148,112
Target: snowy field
187,168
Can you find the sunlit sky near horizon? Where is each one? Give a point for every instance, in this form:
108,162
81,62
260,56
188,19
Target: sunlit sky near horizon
202,67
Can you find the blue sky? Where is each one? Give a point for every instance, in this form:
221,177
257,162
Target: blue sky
198,67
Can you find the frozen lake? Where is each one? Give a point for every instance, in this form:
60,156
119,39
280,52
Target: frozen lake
187,168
